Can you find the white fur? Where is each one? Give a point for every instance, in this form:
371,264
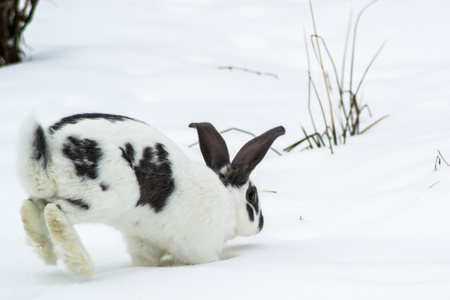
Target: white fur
200,215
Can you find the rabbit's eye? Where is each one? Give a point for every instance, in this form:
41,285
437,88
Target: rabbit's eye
252,196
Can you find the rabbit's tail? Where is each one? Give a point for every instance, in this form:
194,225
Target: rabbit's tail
34,159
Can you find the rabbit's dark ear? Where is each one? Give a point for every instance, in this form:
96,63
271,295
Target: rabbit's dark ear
251,155
213,146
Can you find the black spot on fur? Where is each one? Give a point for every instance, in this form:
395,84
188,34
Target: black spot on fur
104,187
162,153
261,222
40,147
251,213
128,153
80,117
78,202
85,155
154,175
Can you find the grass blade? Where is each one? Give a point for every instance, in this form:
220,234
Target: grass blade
368,67
374,123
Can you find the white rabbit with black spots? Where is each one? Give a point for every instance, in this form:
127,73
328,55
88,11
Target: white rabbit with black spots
115,170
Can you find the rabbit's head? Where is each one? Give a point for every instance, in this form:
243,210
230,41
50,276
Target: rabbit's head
235,175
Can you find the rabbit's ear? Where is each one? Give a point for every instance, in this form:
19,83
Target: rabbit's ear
213,146
251,155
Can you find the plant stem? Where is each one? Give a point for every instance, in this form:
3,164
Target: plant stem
333,128
354,41
368,67
347,38
443,158
309,82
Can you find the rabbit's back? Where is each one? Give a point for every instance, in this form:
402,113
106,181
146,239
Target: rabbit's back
102,166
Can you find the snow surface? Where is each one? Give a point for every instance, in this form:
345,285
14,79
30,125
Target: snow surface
371,221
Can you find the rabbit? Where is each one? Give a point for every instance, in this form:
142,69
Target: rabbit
119,171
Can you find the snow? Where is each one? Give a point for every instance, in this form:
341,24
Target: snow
369,222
